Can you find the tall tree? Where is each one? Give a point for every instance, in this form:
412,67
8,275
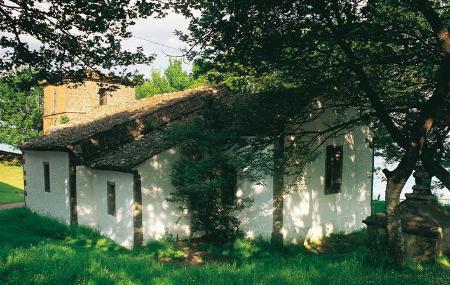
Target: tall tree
21,107
61,39
173,79
388,59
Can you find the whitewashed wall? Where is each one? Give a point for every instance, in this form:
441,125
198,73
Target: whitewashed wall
256,220
55,203
92,206
158,215
309,213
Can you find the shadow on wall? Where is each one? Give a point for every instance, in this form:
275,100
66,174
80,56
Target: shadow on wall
161,217
92,203
256,220
310,214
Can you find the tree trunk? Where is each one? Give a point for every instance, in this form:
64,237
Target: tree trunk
278,191
395,243
434,168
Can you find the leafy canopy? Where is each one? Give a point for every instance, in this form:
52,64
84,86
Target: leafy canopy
61,39
173,79
21,107
334,48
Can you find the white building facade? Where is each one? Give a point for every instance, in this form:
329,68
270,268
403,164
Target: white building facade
129,204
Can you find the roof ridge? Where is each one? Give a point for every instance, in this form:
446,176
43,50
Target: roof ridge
166,104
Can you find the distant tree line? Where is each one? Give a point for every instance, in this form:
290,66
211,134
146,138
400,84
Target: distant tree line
173,78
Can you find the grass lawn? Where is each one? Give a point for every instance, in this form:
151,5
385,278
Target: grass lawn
11,183
37,250
378,206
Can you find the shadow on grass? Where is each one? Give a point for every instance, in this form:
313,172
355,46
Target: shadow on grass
10,194
21,228
38,250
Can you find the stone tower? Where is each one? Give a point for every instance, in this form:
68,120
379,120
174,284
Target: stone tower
65,102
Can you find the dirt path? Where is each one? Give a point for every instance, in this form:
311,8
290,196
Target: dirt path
11,205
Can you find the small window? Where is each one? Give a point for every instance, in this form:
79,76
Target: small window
111,198
103,97
333,169
54,100
46,177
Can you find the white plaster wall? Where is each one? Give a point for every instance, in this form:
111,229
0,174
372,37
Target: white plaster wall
55,203
159,216
309,213
92,206
256,220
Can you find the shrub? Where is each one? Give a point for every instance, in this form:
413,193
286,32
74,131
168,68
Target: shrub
165,248
205,179
64,119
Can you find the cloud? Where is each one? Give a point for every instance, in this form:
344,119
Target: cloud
161,31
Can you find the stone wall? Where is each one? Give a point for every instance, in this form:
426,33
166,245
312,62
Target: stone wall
71,100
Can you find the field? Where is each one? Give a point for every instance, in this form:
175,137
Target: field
11,183
37,250
378,206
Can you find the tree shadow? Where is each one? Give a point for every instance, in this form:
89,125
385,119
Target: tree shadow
10,193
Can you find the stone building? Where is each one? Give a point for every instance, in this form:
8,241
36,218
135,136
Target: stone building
63,103
110,169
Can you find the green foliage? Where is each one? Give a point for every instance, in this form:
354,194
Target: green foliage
205,179
164,249
176,76
239,79
21,107
303,46
378,206
62,39
37,250
64,119
173,79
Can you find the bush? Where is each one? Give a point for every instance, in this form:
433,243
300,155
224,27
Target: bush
64,119
205,179
165,248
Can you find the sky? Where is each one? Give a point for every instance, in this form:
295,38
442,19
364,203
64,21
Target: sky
160,31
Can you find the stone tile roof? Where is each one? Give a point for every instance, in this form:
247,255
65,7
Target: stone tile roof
115,137
127,156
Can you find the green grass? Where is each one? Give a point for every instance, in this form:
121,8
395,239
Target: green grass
379,206
11,183
37,250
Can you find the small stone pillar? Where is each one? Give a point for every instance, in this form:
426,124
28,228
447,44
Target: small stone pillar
425,223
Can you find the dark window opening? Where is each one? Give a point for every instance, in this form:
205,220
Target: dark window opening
111,198
333,169
46,177
103,97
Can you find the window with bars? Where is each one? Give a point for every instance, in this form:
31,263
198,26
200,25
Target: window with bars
111,198
333,169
